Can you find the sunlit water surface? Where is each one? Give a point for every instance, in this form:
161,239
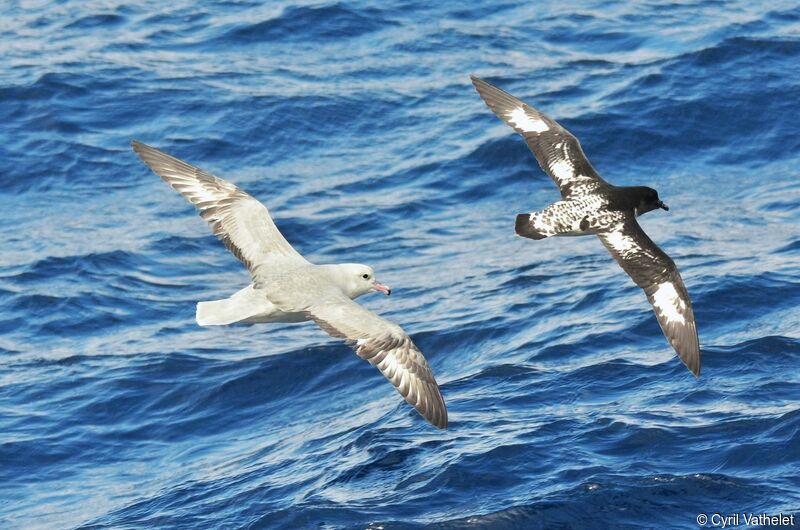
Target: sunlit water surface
356,124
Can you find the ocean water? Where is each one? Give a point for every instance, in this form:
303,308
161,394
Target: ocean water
356,124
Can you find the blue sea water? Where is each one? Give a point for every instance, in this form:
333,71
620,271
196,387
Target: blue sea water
356,124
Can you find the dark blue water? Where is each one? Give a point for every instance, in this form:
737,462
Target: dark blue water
357,125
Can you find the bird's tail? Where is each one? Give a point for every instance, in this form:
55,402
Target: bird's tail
524,227
244,306
218,313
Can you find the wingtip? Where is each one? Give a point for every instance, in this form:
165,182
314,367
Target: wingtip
440,424
692,363
434,412
139,147
695,371
150,155
477,82
436,416
443,421
691,358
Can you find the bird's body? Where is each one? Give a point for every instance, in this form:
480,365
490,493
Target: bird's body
253,305
285,287
590,205
575,217
247,306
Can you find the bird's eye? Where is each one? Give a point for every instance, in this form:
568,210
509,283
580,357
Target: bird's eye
365,276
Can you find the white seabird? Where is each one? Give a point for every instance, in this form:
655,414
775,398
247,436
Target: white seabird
288,288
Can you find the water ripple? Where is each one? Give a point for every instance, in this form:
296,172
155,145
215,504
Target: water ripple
357,125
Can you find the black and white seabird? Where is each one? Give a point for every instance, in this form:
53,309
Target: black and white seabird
590,205
286,287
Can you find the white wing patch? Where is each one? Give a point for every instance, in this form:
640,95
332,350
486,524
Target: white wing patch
668,303
521,120
621,243
562,169
200,194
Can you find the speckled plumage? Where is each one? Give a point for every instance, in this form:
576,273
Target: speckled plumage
590,205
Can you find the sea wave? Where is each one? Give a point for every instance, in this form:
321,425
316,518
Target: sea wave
357,126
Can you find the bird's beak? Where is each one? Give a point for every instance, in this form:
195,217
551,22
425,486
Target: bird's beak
663,206
385,289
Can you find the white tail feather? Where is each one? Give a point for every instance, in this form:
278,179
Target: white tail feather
246,305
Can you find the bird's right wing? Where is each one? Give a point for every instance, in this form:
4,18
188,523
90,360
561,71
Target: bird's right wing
655,272
239,220
386,347
558,152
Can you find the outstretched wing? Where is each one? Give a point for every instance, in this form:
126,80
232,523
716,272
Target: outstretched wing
239,220
386,347
558,152
655,272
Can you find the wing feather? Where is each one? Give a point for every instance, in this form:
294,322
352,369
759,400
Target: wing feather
239,220
655,272
558,152
389,349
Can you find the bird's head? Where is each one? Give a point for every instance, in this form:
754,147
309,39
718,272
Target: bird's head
357,280
648,201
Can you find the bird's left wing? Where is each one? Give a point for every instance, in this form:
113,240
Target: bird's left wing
558,152
656,273
239,220
386,347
